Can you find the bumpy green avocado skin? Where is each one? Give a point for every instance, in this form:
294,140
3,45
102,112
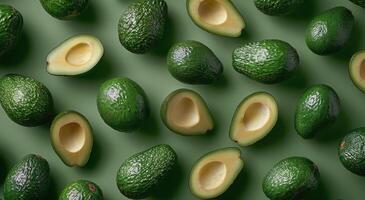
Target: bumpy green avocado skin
318,107
194,63
65,9
278,7
291,178
81,190
359,2
143,172
142,25
267,61
352,152
28,180
122,104
11,26
25,100
329,32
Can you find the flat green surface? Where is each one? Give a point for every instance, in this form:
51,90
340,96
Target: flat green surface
42,33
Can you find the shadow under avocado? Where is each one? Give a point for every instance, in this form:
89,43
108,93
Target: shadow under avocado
150,126
102,71
335,131
18,54
163,46
52,193
321,193
298,80
96,155
90,15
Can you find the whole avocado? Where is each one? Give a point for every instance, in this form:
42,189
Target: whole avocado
359,2
25,100
65,9
194,63
329,32
81,190
122,104
11,26
28,180
278,7
142,25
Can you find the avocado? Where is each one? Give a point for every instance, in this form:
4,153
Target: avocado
220,17
77,55
142,25
317,108
329,32
352,153
359,2
122,104
185,112
28,179
65,9
254,118
215,172
11,26
266,61
81,190
72,138
278,7
357,69
25,100
291,178
194,63
142,173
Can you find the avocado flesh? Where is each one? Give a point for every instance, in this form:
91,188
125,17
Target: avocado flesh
185,112
81,190
216,16
72,138
214,172
75,56
254,118
357,70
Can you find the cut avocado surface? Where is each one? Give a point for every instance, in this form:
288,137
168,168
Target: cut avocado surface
254,118
214,172
357,69
216,16
71,137
75,56
185,112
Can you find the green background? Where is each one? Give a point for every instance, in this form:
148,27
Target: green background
42,33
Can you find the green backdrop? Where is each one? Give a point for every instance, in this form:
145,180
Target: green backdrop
42,33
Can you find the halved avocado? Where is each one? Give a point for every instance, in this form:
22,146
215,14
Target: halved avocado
75,56
214,172
216,16
185,112
357,69
254,118
71,138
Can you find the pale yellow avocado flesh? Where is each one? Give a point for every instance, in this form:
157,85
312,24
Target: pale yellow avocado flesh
357,70
217,16
215,172
254,119
75,56
72,139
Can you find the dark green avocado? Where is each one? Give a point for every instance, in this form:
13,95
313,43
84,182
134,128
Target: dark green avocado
11,26
28,180
142,25
291,178
65,9
81,190
359,2
266,61
329,32
317,108
278,7
194,63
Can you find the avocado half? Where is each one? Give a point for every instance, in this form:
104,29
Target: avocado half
185,112
214,172
76,55
71,138
357,70
216,16
254,118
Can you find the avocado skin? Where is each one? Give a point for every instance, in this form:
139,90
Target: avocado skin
33,171
143,172
142,25
11,26
329,32
194,63
291,178
65,9
122,104
25,100
266,61
317,108
352,153
278,7
81,190
359,2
